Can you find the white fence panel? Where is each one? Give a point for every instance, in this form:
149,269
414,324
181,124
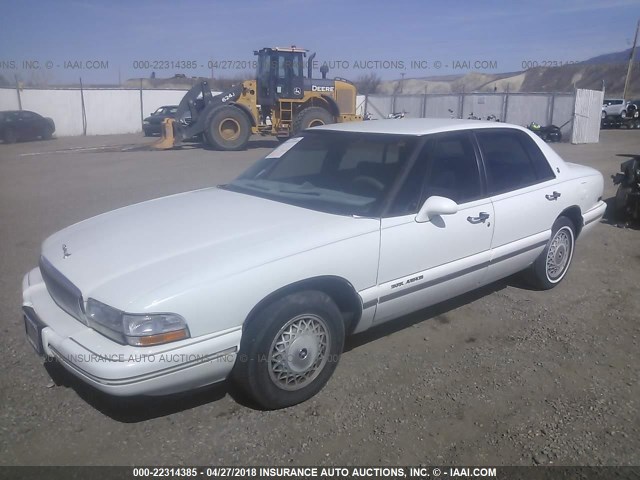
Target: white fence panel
379,106
438,106
586,122
63,106
411,105
482,105
9,99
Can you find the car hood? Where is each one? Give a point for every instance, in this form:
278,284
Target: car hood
200,236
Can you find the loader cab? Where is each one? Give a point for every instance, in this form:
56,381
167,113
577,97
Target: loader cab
280,75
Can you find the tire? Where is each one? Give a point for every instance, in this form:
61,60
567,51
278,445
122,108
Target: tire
10,136
311,117
47,134
623,114
304,323
553,263
147,133
228,128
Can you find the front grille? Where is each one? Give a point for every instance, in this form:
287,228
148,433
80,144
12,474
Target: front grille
345,100
66,295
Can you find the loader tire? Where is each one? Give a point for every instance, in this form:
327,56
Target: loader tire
311,117
228,128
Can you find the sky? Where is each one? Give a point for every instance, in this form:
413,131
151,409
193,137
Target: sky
110,41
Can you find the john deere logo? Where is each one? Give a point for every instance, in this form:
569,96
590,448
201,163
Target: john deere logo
297,91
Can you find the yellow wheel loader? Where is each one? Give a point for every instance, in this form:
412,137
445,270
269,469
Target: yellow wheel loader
281,101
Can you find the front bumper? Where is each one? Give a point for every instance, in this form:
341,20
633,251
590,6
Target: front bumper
124,370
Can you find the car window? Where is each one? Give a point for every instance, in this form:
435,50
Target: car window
446,167
337,172
27,115
512,160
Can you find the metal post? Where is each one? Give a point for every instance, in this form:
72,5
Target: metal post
631,58
505,104
84,111
18,92
141,107
424,103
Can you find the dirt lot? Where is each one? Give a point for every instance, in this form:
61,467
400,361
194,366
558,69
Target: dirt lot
503,376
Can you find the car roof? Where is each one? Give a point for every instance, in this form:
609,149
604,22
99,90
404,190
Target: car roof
413,126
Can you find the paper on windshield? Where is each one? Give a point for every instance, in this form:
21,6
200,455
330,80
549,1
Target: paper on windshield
284,148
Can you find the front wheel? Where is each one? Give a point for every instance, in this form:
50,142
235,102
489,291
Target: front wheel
290,349
553,263
311,117
228,128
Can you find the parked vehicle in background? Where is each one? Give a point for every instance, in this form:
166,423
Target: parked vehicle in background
153,123
614,107
550,133
337,230
24,125
627,203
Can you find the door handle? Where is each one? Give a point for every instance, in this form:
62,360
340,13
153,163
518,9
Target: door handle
481,218
553,196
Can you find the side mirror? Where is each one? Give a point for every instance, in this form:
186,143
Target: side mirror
434,207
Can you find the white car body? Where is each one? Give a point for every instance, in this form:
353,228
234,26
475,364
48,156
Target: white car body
614,107
213,255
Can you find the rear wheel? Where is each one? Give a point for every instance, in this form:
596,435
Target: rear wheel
228,128
47,134
554,261
290,349
311,117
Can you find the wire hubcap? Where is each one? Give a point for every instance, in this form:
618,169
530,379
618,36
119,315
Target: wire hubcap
559,254
299,352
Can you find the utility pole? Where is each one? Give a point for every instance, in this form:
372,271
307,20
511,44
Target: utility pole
631,58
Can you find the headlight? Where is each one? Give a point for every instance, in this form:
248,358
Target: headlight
154,329
146,122
136,329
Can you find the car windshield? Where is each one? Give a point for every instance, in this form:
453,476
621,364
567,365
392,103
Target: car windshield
337,172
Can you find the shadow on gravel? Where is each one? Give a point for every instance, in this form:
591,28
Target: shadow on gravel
140,408
437,312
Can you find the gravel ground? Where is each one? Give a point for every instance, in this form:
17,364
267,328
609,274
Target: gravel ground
501,376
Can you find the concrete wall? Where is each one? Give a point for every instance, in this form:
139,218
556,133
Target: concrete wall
107,111
113,111
517,108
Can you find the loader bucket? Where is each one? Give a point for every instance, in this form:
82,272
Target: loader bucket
167,136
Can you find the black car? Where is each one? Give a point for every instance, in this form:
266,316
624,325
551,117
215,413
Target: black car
24,125
153,123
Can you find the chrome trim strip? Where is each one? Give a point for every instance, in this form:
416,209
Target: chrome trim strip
369,304
433,282
451,276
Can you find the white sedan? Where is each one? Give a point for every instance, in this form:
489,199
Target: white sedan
337,230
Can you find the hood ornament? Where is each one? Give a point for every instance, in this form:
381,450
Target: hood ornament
65,251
